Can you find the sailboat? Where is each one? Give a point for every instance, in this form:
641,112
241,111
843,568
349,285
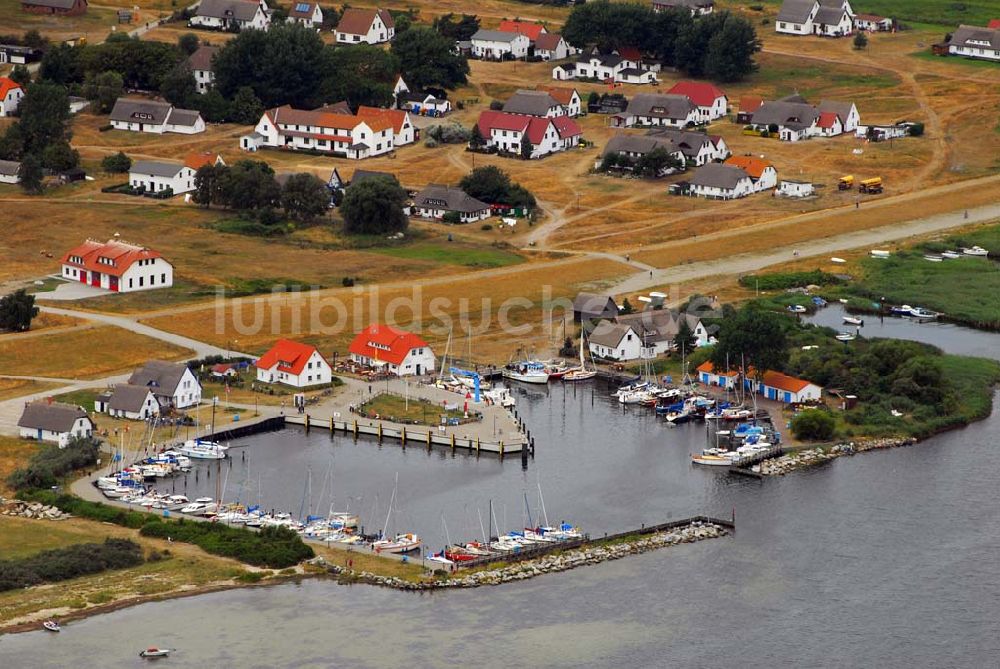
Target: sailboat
401,543
581,373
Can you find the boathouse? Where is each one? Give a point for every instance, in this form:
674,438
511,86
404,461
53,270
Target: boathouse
773,386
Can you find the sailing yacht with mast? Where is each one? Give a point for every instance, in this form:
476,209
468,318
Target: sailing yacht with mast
581,373
401,543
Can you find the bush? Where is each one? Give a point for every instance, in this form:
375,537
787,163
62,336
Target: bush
813,425
916,130
785,280
486,226
65,563
117,163
51,463
347,282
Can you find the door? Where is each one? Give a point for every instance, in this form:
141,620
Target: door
113,285
788,398
39,434
95,279
419,372
83,276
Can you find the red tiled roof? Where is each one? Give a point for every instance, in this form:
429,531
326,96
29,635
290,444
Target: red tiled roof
707,366
701,93
753,166
529,30
356,21
118,256
306,13
566,127
630,53
784,382
827,119
197,160
547,41
6,86
288,115
385,343
394,116
750,104
535,126
563,96
994,24
290,356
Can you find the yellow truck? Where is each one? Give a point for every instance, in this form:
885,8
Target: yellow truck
871,186
846,182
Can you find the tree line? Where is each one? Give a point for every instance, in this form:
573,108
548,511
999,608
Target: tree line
719,46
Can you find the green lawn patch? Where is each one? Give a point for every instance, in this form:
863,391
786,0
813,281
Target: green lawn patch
400,410
84,398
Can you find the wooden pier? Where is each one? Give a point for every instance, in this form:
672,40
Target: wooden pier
743,465
419,435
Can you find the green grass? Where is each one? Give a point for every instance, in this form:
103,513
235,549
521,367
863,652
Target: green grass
787,77
452,254
967,290
84,398
397,409
47,286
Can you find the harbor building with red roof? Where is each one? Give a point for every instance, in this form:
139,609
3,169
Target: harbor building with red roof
402,353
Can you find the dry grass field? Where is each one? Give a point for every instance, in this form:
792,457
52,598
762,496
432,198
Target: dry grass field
95,352
11,388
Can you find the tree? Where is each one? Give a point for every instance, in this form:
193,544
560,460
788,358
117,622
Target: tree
21,75
685,340
117,163
461,30
213,107
31,174
141,63
654,163
860,40
593,99
188,43
62,64
245,107
104,89
178,86
361,74
304,197
491,184
44,112
526,147
249,184
476,141
17,310
753,336
731,49
278,64
374,207
206,185
60,157
611,25
35,40
813,425
426,58
627,307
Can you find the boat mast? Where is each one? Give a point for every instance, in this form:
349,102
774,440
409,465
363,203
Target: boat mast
444,357
385,528
541,499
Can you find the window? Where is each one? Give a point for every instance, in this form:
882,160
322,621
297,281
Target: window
163,278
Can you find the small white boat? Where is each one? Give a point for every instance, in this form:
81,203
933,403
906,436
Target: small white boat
155,652
402,543
203,450
951,255
797,308
975,251
839,261
923,314
51,626
501,396
876,253
846,336
933,258
853,320
843,300
717,459
526,372
439,558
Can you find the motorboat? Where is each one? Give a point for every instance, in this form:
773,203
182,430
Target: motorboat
155,652
199,508
846,336
951,255
713,457
461,554
203,450
51,626
932,257
854,320
797,309
500,396
505,545
440,558
343,520
876,253
526,372
401,543
975,251
923,314
902,310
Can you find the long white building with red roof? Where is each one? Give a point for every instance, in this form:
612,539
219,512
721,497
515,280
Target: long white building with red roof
294,364
402,353
117,266
372,132
505,132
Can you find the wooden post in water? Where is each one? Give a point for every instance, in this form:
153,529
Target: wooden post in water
501,449
355,427
477,444
453,441
380,430
331,425
402,436
307,422
428,438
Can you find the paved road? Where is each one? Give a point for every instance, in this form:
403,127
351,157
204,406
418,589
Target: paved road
752,262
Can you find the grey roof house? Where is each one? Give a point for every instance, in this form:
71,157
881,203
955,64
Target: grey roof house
533,103
135,402
659,109
155,117
435,200
172,383
54,422
10,171
589,306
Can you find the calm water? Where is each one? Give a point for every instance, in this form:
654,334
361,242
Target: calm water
883,560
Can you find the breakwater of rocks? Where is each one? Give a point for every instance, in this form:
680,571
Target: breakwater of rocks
554,562
16,507
814,456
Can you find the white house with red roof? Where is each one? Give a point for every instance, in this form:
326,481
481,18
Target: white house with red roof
117,266
711,101
529,29
293,364
402,353
330,130
505,132
367,26
10,96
